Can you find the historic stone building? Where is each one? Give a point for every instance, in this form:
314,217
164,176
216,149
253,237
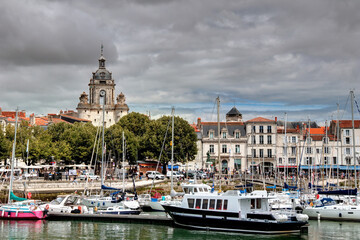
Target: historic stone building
90,106
233,143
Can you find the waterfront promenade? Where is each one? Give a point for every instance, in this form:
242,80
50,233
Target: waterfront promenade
67,186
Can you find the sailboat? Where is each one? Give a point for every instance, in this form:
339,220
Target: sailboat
327,208
117,202
155,204
17,207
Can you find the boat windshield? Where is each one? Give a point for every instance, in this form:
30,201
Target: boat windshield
57,201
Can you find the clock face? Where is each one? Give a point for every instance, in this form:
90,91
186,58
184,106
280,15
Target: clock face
102,93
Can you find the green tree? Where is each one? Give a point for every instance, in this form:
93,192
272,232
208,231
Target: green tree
5,146
185,139
80,137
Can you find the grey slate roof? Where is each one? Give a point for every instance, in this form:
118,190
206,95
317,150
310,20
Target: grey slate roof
295,124
230,128
233,112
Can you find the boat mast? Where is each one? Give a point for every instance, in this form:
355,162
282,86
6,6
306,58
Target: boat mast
172,150
353,134
218,120
13,158
102,94
337,145
286,159
123,161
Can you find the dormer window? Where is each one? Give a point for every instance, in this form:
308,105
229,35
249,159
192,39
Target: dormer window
224,134
237,135
211,135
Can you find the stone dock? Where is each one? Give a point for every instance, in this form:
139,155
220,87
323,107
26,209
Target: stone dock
64,186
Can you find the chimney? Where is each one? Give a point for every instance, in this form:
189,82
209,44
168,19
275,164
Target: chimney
275,119
198,123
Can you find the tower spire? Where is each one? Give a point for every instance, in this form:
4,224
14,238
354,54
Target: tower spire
102,49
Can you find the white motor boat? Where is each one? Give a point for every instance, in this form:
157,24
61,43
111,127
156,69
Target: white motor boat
328,209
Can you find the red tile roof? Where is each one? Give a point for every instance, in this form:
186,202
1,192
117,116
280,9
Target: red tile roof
288,130
194,125
348,123
260,119
316,131
12,114
222,123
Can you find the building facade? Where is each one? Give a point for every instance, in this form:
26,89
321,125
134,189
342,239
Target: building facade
262,144
232,143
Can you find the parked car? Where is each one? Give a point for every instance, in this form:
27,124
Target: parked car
201,175
90,176
155,175
176,175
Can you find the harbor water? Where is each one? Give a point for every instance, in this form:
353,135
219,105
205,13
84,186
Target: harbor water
44,229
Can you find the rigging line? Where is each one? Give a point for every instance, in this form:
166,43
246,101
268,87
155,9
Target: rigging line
167,128
357,106
212,113
116,153
347,101
92,157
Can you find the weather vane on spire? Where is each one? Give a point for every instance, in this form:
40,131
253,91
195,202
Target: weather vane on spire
102,49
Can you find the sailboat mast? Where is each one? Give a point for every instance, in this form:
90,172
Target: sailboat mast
286,159
123,161
102,94
218,120
353,134
172,148
337,146
13,157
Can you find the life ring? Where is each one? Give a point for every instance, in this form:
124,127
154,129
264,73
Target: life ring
47,207
29,195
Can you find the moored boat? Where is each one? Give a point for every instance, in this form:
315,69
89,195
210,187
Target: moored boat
28,209
232,211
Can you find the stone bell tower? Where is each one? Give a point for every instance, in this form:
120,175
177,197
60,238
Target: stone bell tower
90,106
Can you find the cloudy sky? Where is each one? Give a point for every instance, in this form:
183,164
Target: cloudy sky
264,57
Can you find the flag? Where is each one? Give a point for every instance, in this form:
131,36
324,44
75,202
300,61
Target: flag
213,188
27,146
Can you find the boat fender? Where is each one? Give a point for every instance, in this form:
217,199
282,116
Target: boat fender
95,209
80,209
280,217
302,217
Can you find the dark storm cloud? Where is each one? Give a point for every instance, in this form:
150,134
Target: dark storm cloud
266,57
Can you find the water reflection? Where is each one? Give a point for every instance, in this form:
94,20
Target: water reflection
100,230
